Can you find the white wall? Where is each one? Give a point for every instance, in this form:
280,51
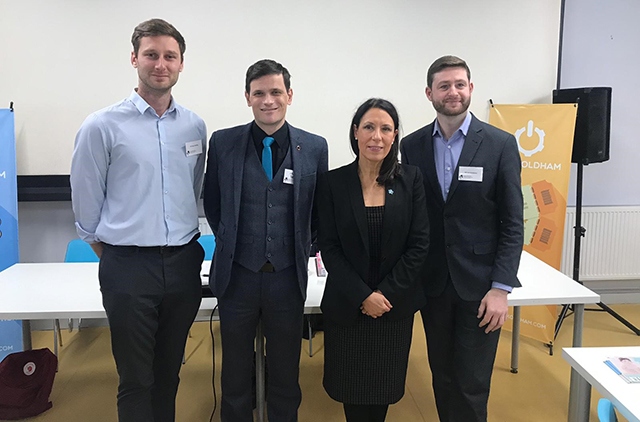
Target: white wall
600,48
45,228
63,59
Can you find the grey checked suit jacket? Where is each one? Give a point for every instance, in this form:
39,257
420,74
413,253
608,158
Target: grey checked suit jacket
222,193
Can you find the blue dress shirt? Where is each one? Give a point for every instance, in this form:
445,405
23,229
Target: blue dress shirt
447,153
132,180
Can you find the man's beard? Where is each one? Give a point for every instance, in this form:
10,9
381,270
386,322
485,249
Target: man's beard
442,108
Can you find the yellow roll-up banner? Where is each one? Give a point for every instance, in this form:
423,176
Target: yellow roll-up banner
544,133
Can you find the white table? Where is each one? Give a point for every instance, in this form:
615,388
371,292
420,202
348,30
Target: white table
589,363
71,290
544,285
57,290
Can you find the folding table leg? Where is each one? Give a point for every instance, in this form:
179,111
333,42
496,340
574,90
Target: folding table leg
57,336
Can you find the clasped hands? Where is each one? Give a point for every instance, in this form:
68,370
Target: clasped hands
375,305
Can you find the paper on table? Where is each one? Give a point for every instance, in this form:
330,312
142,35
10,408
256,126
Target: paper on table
627,367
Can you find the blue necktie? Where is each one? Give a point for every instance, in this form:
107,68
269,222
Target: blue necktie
267,158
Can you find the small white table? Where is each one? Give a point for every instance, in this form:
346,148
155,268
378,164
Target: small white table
589,363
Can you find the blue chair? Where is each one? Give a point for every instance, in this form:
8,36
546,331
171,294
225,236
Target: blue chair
606,411
77,251
80,251
208,242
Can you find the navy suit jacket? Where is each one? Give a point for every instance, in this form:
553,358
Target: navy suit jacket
343,237
223,190
476,234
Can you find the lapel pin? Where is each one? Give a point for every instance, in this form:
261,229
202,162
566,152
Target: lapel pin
390,191
298,147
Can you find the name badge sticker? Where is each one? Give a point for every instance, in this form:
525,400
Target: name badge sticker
470,174
288,177
193,148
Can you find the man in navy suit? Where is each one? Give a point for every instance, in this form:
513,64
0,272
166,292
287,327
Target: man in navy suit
474,199
258,198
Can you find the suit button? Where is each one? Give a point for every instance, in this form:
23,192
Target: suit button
269,255
270,205
268,238
448,246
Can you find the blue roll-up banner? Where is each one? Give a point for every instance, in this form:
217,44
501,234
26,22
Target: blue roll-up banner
11,336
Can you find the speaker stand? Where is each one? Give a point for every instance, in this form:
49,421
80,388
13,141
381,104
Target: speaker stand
579,233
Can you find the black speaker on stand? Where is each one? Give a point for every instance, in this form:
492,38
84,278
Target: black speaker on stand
590,145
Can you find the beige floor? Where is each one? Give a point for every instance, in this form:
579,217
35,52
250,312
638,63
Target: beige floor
85,385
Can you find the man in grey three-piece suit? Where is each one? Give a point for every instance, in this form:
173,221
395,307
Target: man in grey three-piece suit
259,192
474,199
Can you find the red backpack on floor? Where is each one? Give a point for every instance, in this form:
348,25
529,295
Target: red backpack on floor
26,380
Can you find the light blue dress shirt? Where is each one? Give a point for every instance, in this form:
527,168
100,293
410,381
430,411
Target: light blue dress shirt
132,180
447,153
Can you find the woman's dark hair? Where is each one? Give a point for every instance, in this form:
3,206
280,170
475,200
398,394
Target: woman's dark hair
390,168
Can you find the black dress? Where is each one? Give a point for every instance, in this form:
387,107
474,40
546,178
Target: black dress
366,363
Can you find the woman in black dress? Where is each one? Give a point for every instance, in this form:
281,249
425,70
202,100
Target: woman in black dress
374,236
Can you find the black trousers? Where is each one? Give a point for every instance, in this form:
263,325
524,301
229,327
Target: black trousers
365,412
151,296
461,356
275,299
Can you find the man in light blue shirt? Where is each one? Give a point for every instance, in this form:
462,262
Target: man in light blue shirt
136,175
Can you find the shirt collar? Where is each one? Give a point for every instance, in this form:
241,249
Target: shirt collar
279,136
464,127
142,105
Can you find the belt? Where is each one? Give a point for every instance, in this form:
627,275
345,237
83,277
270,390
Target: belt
267,268
157,249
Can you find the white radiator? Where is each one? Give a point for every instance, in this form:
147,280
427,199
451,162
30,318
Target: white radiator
610,249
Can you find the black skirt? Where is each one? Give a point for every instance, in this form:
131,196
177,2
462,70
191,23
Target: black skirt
366,363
